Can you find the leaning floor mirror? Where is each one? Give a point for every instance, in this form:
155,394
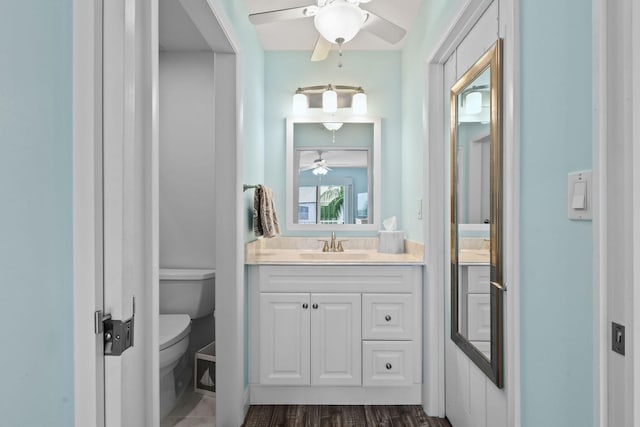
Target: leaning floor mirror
476,214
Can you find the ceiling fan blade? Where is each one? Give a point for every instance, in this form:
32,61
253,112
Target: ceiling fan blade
384,29
321,50
278,15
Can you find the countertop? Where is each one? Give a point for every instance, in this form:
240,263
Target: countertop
308,251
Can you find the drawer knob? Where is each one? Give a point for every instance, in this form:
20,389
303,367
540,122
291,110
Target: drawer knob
388,366
305,305
315,306
387,318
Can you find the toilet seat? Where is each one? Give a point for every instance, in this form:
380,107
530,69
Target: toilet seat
173,328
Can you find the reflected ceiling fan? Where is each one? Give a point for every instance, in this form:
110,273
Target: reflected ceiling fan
337,22
318,167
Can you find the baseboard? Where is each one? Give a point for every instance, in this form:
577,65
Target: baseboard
301,395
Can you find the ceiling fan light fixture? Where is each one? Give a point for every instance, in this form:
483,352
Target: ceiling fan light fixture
339,20
320,171
359,104
300,103
330,100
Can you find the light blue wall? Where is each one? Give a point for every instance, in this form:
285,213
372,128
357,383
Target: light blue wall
36,262
431,24
253,77
377,72
556,254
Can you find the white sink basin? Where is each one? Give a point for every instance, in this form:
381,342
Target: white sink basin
334,256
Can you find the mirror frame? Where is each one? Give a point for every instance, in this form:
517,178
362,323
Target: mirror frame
375,172
493,367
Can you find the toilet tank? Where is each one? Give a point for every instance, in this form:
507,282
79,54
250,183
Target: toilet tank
187,291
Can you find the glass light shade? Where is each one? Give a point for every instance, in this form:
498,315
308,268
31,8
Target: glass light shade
320,171
473,103
339,20
329,101
332,125
359,103
300,103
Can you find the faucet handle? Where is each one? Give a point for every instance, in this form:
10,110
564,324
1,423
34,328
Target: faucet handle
340,247
325,246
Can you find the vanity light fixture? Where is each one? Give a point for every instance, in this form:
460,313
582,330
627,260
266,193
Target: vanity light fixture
330,98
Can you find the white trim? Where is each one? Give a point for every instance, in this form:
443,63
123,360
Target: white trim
635,144
436,246
87,210
510,32
305,395
231,406
600,349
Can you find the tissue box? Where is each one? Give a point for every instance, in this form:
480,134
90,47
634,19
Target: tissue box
391,242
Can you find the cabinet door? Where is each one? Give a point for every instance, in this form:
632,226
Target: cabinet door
336,351
479,317
284,339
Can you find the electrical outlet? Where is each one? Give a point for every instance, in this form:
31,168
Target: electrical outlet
617,338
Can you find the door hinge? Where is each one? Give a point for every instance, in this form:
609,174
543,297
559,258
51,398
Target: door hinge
117,334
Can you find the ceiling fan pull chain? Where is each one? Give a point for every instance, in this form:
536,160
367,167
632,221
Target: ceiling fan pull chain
340,41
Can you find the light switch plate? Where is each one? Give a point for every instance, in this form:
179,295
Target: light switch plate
580,193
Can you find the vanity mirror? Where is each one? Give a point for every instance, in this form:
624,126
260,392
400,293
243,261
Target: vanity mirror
476,214
333,170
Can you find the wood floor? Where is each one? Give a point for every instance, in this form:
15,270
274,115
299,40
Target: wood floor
340,416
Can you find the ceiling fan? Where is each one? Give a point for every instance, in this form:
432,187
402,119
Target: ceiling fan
318,166
337,22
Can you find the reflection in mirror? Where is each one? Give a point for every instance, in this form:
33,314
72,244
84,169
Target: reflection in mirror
330,171
333,186
476,185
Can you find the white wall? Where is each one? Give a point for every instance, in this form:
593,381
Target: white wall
187,196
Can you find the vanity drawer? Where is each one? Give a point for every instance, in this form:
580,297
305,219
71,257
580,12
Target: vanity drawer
478,277
387,316
387,363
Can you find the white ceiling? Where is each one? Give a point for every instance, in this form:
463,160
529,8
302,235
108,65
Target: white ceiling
300,34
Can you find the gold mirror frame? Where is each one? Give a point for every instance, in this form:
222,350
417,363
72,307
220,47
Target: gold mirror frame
493,366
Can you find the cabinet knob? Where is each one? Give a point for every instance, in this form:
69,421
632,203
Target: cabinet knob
388,366
315,306
387,318
305,305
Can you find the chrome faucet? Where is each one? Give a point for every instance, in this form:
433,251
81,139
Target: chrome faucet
332,245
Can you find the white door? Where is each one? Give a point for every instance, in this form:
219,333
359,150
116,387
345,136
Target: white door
336,349
130,229
284,338
471,399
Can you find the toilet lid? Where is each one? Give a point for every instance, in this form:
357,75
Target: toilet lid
173,328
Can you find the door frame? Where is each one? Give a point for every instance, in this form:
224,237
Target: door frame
603,131
436,238
88,205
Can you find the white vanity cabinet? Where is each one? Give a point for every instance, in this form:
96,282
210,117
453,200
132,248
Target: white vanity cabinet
310,339
335,334
475,286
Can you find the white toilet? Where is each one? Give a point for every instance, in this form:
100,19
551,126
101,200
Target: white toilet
185,294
